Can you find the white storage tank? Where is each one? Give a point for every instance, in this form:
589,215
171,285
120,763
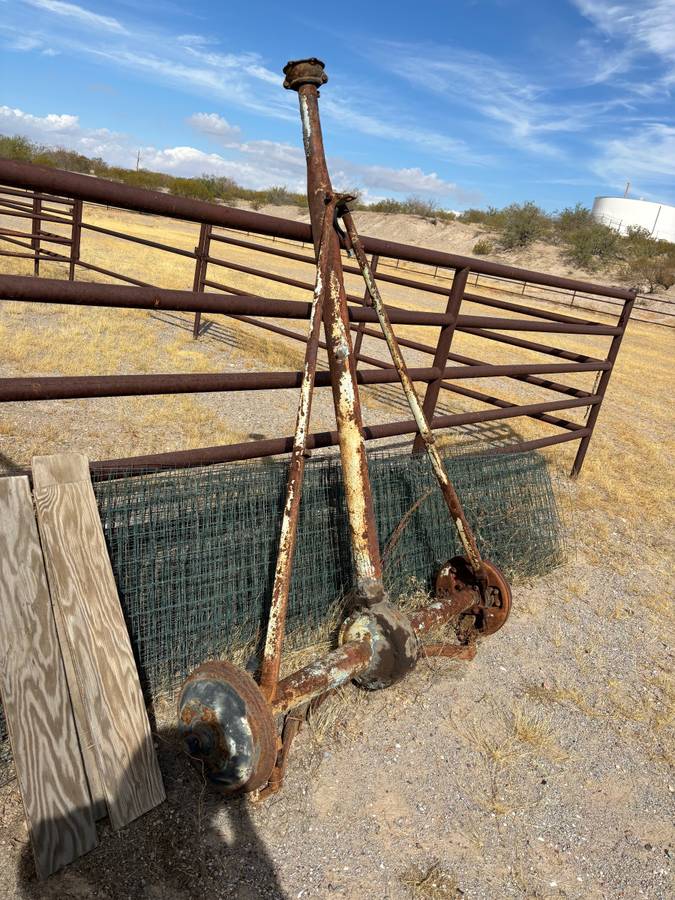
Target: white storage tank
622,213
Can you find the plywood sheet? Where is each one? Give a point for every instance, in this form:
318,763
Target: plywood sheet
83,587
47,757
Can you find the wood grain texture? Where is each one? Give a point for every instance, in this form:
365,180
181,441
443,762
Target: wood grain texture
83,586
49,766
48,471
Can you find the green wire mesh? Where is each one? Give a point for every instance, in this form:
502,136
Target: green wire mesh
193,551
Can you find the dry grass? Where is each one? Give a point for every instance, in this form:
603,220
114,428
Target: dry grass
431,881
508,744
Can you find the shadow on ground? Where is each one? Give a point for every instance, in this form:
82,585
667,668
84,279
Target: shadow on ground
195,845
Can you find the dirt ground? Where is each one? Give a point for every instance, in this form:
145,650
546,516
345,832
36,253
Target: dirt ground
542,769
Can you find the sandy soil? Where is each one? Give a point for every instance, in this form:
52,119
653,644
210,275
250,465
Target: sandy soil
541,769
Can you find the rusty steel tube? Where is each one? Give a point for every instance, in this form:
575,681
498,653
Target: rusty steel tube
275,446
80,387
450,496
120,296
331,671
304,77
276,620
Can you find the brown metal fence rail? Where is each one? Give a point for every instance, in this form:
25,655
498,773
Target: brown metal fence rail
49,199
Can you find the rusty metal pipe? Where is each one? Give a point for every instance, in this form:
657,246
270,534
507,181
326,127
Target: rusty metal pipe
276,620
304,77
73,387
276,446
331,671
450,496
53,290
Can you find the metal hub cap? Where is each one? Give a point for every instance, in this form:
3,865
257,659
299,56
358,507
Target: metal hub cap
227,727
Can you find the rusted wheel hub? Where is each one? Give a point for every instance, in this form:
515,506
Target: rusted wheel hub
227,727
480,619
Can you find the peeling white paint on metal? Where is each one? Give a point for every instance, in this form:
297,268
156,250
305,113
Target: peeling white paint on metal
306,125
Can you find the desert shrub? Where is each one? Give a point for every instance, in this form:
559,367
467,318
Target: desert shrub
647,262
417,206
445,215
591,245
387,205
490,216
572,218
412,206
17,147
649,272
522,223
279,195
483,247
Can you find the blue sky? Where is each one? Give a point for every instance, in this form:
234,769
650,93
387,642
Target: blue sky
472,102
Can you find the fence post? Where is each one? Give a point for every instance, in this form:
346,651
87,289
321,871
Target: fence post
36,228
443,348
361,327
75,238
602,386
201,263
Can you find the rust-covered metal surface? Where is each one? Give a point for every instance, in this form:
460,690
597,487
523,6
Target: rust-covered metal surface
271,663
305,76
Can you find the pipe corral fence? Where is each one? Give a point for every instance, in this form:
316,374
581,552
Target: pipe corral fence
53,206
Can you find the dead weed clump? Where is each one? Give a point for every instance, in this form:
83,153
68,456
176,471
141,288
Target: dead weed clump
430,882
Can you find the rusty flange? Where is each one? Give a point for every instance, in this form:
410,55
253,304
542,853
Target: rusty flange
304,71
227,727
456,579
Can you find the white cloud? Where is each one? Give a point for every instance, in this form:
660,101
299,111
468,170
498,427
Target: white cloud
214,125
648,156
194,63
24,43
16,121
80,14
477,81
399,181
347,113
645,26
226,80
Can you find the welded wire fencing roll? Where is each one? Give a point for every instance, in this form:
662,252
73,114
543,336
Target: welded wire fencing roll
193,551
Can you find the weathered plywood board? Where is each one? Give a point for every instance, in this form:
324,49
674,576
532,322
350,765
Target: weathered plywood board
49,766
83,587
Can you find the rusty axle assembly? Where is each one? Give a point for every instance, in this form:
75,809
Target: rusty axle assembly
237,731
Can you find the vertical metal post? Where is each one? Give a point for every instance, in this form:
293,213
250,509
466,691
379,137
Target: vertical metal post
442,349
271,664
305,77
201,262
361,327
75,239
602,386
36,228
